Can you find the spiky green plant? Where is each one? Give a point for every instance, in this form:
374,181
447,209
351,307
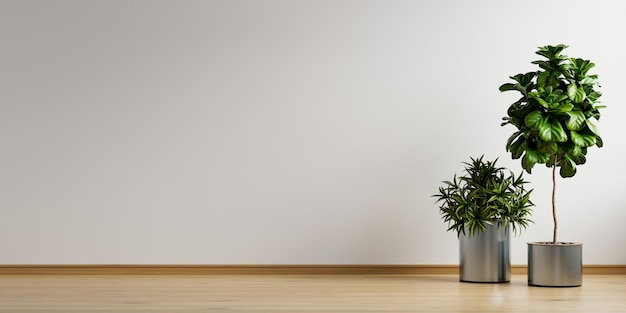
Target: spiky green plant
483,194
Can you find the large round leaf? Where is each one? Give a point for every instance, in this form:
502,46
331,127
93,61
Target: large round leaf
532,157
556,113
550,130
592,127
576,120
582,139
568,168
576,94
533,119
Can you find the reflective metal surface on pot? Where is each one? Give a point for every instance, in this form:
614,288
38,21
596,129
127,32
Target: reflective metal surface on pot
555,265
485,256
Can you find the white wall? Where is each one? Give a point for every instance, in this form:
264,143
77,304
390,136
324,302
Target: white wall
281,132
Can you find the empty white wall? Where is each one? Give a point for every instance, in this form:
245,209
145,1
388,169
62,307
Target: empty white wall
281,132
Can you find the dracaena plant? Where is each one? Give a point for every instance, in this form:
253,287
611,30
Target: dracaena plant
555,115
484,193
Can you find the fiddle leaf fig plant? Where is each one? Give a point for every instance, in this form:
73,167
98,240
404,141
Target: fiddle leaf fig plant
555,115
483,194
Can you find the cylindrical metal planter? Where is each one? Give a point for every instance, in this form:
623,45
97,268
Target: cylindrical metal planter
555,265
485,256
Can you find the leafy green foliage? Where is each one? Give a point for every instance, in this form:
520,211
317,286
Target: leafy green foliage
483,194
554,115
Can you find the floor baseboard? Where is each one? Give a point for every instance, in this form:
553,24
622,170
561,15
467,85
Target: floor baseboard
339,269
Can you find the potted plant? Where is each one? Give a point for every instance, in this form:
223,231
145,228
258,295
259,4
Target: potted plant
555,126
482,206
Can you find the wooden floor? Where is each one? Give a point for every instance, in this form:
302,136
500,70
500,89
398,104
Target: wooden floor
301,293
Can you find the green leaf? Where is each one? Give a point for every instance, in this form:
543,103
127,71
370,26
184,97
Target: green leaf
568,168
564,107
552,52
512,138
581,66
548,78
580,158
526,79
543,64
592,127
589,80
576,120
507,87
532,157
536,156
598,107
576,94
577,151
537,97
599,142
593,95
518,147
547,147
556,100
583,140
533,120
550,130
527,163
524,83
542,79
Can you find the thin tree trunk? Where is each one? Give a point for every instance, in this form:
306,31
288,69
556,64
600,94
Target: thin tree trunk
553,196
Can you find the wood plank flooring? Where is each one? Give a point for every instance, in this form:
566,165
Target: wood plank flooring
300,293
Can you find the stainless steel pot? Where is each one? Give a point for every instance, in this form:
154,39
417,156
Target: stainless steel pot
485,256
555,265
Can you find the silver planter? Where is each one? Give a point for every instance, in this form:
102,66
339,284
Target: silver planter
485,256
555,265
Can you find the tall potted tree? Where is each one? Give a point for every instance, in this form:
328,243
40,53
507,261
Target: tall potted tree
482,206
555,126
